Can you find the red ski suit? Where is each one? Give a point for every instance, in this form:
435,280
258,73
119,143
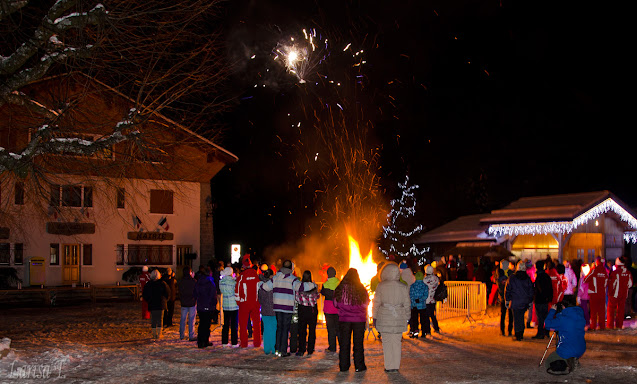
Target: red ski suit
619,281
246,294
596,280
558,286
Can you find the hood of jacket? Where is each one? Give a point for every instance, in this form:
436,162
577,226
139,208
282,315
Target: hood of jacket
390,272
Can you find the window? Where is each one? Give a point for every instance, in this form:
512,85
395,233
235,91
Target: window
161,201
18,253
119,254
87,254
19,193
5,255
88,196
71,196
55,254
121,198
150,254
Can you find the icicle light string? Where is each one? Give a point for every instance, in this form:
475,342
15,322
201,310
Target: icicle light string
568,226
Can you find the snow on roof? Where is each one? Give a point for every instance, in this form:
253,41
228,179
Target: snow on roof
464,228
534,215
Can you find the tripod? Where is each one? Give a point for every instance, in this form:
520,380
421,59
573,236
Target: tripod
547,348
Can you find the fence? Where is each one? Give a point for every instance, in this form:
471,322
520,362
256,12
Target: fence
464,298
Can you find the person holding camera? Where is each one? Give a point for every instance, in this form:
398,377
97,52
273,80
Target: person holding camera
567,319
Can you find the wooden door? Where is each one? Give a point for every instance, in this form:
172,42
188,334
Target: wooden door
71,264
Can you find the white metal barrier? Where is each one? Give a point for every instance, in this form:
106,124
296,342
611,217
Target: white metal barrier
464,298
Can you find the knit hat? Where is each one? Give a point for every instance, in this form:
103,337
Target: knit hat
522,266
155,275
331,272
429,270
227,271
419,275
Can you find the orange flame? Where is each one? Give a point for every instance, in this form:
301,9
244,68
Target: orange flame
366,267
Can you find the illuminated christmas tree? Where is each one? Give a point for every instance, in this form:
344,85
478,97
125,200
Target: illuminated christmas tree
402,228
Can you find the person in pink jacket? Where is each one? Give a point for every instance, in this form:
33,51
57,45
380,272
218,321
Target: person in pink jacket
619,282
582,294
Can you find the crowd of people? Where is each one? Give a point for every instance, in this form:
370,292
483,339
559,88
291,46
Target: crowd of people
279,311
565,301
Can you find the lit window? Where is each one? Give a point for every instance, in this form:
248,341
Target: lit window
55,254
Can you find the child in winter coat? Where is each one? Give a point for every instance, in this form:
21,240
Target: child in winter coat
230,308
432,282
267,313
306,298
331,313
418,294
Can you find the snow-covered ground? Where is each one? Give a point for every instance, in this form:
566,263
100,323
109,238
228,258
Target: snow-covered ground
110,343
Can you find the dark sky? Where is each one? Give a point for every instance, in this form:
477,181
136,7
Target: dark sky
482,102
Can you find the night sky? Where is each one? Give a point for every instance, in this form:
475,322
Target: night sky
482,102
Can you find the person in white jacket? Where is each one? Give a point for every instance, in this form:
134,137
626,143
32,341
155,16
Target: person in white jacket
432,281
391,310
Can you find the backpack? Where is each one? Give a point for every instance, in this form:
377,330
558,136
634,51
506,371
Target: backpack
441,292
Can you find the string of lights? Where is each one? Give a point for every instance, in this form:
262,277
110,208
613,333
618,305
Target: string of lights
563,227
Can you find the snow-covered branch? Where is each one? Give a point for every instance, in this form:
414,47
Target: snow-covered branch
17,65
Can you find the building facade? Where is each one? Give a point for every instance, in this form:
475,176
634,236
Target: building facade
80,219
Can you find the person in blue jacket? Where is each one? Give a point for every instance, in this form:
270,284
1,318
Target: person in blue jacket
418,293
569,324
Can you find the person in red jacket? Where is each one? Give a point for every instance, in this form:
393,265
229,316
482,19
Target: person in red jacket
246,294
144,278
562,282
596,280
555,281
619,281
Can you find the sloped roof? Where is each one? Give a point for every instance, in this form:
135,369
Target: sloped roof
566,211
464,228
549,208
